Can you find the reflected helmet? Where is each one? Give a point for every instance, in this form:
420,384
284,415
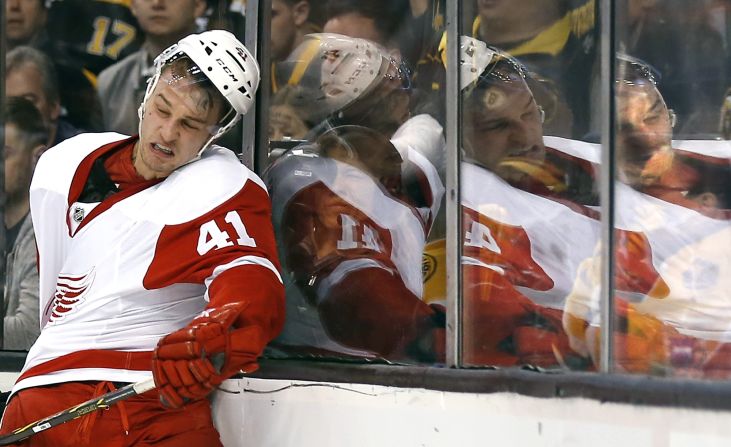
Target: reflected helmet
331,71
478,61
225,61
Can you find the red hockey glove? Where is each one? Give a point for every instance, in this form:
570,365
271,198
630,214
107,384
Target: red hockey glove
189,363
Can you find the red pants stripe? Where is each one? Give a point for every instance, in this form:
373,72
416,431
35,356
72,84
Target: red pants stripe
150,424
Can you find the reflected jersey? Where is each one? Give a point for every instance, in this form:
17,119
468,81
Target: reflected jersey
333,219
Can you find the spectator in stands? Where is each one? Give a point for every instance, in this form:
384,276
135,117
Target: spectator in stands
287,116
290,22
376,21
106,33
25,139
30,73
122,85
24,22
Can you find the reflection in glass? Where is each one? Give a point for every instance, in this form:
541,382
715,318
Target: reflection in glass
557,40
354,205
672,235
529,219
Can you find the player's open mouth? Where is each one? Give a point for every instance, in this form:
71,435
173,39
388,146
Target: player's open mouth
530,152
162,150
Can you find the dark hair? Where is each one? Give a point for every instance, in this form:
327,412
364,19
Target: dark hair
21,113
387,15
184,67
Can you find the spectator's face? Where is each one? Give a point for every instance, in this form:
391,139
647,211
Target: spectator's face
502,121
513,10
167,18
19,159
23,19
287,19
27,81
178,120
355,25
644,132
285,123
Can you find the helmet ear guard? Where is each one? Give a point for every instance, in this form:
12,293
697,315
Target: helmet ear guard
225,62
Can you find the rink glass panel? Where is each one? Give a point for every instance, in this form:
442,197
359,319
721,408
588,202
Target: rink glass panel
355,170
672,226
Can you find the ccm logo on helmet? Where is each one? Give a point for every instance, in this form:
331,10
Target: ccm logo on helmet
227,70
242,53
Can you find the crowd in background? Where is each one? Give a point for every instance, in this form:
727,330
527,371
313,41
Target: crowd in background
92,76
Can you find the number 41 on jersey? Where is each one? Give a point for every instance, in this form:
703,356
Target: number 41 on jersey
211,237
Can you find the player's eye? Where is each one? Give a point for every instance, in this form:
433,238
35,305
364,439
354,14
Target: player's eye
188,125
492,125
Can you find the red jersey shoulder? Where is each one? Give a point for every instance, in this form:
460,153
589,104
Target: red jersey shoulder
321,229
237,228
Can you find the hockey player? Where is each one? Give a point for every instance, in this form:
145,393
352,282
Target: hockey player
670,293
156,259
352,245
520,192
350,233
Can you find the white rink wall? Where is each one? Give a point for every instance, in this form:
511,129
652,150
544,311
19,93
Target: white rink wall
281,413
7,379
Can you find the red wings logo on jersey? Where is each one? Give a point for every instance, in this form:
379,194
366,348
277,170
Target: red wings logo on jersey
70,291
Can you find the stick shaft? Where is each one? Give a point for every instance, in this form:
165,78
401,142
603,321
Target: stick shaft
96,403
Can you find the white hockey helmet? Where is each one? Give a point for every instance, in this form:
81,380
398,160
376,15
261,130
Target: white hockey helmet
225,61
331,71
478,60
474,57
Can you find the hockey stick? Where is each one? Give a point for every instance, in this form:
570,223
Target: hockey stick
97,403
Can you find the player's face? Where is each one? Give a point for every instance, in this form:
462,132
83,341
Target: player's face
167,18
23,19
178,121
26,81
18,164
502,122
644,132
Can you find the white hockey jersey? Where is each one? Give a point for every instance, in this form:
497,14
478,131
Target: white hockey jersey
535,242
117,276
689,252
346,220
